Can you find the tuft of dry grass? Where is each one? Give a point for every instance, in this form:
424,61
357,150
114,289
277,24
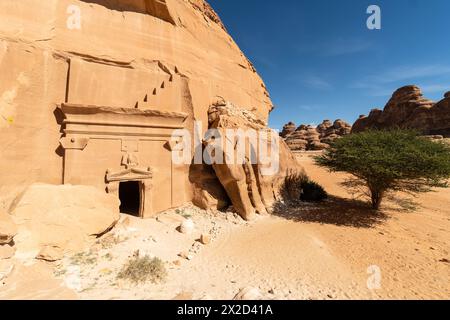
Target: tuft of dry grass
84,258
143,269
110,240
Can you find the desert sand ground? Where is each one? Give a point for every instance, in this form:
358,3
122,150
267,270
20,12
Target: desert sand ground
332,250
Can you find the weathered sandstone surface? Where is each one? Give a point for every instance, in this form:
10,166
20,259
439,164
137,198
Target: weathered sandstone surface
8,229
90,93
251,190
54,220
307,137
409,109
171,55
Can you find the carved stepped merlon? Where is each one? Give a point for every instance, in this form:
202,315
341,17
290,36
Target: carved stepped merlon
167,94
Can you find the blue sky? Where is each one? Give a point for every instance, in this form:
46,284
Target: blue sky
320,61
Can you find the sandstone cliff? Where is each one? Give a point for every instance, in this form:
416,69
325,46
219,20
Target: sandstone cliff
172,55
409,109
90,91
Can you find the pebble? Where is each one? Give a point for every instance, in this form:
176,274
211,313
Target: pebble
249,294
177,263
205,239
187,227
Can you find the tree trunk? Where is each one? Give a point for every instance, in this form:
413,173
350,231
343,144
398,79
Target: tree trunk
377,198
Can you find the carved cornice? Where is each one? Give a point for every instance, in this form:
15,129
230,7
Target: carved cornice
131,174
91,121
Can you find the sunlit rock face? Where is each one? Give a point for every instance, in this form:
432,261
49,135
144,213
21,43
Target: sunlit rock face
409,109
310,138
71,71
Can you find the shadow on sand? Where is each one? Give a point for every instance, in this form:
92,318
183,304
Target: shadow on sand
335,211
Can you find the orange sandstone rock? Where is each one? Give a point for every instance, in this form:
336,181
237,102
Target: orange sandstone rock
409,109
166,60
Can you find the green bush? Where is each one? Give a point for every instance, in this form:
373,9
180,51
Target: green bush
298,186
383,161
312,192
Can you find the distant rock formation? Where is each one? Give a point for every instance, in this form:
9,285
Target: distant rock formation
409,109
306,137
288,129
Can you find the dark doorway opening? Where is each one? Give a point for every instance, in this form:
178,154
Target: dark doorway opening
130,198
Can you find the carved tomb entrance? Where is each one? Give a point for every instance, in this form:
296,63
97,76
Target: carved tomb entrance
126,152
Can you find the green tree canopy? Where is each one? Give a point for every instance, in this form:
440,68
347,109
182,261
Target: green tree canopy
395,160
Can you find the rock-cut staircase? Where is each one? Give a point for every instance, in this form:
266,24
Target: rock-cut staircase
165,96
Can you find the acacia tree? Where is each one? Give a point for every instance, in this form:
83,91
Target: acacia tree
383,161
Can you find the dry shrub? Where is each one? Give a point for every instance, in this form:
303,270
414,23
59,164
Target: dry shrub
143,269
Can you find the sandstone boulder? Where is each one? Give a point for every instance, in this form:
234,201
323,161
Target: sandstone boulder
205,239
208,193
303,127
307,137
7,229
248,294
250,190
187,226
409,109
50,253
297,144
288,129
339,124
317,146
205,200
54,220
6,252
440,117
6,268
324,126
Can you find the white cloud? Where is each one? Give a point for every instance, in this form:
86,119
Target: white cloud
336,47
432,88
316,82
306,107
412,73
386,82
340,47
